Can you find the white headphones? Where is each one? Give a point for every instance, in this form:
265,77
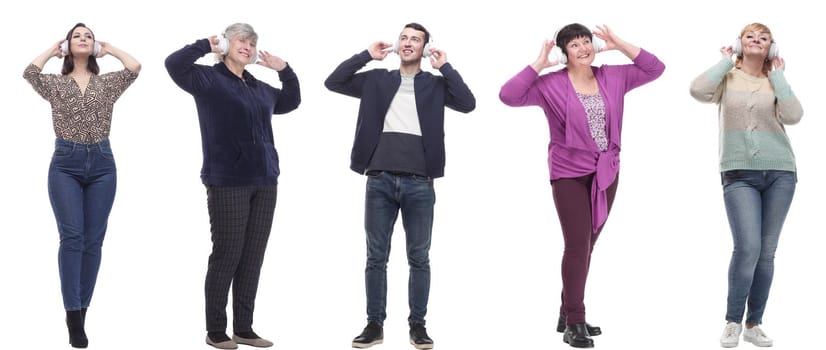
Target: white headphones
223,44
737,47
557,55
425,51
64,48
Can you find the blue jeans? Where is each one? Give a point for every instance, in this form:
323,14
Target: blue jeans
387,194
756,203
82,181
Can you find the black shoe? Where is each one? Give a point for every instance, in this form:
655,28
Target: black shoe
371,335
576,335
592,330
418,336
77,334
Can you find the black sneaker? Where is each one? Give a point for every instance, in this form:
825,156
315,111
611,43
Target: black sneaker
419,337
371,335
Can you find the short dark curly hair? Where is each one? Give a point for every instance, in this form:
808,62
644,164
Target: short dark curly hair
571,32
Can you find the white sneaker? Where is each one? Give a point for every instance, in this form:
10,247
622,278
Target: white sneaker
731,335
756,336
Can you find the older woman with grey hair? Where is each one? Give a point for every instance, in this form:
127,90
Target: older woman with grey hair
240,167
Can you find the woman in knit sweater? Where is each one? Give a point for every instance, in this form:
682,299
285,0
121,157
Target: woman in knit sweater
584,106
757,167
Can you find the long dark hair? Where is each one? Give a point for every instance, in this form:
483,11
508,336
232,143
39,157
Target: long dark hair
69,60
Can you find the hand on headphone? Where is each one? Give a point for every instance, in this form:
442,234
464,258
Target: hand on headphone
544,61
104,48
727,51
57,50
778,63
213,44
379,50
611,41
271,61
437,58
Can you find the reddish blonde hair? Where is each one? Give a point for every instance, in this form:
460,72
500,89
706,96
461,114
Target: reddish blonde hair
755,27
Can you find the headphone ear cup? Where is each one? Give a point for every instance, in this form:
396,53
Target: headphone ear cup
396,46
64,47
773,51
426,50
557,55
96,49
598,44
223,44
737,47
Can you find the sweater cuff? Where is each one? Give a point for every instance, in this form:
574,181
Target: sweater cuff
782,90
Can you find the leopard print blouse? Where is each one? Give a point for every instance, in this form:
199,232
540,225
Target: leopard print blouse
80,117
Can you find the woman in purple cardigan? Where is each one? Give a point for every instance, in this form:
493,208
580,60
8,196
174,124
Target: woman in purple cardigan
584,106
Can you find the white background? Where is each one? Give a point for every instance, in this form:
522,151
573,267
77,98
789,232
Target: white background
658,278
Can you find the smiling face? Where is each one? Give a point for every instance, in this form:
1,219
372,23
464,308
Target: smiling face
81,42
411,45
756,43
242,49
580,51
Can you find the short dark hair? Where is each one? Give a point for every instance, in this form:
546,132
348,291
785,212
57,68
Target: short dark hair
420,28
571,32
69,61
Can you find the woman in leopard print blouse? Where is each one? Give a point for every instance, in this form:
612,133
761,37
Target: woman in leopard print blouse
82,174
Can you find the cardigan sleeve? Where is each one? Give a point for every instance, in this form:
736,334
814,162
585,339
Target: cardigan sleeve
708,87
789,110
521,90
645,69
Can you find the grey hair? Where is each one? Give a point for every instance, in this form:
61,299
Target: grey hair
240,30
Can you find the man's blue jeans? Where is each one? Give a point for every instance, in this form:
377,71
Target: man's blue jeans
82,181
756,203
386,195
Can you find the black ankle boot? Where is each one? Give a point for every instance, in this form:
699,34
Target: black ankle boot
576,335
592,330
77,335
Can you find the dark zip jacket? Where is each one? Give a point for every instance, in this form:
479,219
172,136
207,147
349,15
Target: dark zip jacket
235,116
376,89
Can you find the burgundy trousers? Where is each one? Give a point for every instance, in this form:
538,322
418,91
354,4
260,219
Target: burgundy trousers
572,197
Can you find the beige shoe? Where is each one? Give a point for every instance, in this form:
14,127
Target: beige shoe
256,342
226,344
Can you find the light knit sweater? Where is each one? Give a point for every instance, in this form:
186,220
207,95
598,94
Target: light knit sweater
752,114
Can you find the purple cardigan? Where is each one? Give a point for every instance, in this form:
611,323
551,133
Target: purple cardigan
572,151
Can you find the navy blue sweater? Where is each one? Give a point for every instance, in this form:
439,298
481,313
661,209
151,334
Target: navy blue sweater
235,116
376,89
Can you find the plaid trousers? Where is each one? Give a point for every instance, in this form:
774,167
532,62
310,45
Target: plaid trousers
240,221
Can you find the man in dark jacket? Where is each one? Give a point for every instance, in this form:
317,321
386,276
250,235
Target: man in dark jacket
399,145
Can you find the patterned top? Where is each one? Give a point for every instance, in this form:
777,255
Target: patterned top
595,110
80,117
